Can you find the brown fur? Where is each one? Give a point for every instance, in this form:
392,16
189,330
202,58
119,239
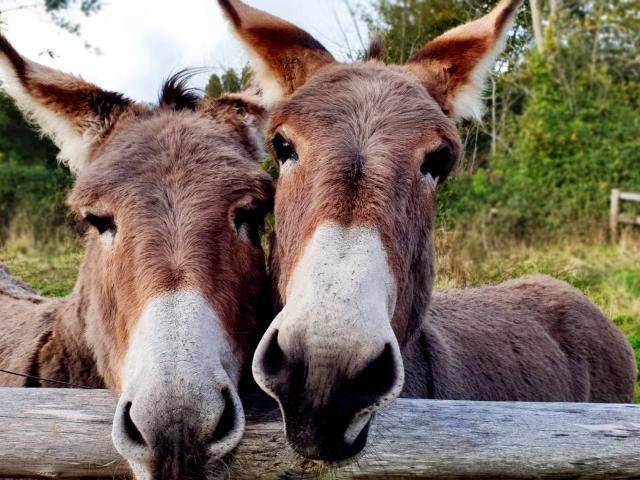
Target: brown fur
364,136
189,165
366,121
532,339
181,186
292,54
370,103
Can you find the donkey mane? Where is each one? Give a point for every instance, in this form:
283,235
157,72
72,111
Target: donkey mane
375,50
176,93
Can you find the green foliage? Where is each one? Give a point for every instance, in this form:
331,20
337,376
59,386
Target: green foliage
230,82
18,141
574,140
32,186
32,201
214,87
87,6
55,9
566,123
407,25
569,147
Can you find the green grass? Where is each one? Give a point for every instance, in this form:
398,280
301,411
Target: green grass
609,275
51,271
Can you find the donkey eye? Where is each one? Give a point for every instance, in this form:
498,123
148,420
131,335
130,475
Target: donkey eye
248,222
438,164
102,224
283,150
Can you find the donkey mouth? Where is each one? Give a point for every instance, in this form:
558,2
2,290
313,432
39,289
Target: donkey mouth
329,448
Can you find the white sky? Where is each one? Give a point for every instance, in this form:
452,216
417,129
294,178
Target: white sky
143,41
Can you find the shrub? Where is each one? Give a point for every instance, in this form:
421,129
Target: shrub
32,201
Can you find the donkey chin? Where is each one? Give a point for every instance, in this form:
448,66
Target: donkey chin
332,362
179,414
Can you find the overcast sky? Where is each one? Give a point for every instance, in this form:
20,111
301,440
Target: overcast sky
144,41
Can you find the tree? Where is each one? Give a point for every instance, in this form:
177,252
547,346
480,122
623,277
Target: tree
564,111
19,143
230,82
54,8
408,24
214,87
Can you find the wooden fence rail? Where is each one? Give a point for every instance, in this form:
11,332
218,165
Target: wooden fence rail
66,434
615,217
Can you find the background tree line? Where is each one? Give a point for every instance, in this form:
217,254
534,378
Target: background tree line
562,124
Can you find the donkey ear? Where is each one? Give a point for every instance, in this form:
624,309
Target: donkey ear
246,113
455,66
284,56
77,115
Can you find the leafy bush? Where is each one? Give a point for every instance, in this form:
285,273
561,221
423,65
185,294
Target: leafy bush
571,144
32,201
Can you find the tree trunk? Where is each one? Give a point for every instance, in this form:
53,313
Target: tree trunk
536,18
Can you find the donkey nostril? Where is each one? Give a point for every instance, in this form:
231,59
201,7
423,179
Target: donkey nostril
227,421
379,377
130,427
273,359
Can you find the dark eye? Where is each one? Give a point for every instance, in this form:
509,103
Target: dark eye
248,222
283,150
439,163
102,224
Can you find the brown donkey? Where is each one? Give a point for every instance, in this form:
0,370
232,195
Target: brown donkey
165,309
361,149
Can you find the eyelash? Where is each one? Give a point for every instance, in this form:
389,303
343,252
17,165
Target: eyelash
283,150
101,224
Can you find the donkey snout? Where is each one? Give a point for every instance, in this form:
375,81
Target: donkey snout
179,412
328,397
169,437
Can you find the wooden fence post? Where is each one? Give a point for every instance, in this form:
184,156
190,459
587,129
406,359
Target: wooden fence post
615,214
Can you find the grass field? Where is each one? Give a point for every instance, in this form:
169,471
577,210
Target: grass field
608,274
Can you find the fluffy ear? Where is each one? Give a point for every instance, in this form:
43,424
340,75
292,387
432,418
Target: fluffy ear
284,56
243,112
77,115
455,66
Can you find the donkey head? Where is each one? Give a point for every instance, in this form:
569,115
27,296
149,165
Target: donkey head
361,149
174,272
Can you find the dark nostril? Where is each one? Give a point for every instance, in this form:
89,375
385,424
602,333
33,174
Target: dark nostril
379,377
130,427
227,421
273,360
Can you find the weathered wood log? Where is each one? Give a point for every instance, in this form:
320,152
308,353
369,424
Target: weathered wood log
630,197
66,434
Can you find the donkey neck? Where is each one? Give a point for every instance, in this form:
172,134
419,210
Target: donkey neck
63,353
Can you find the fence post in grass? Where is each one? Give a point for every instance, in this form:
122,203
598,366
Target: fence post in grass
615,214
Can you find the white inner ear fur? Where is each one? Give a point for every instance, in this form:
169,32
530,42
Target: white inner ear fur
272,91
75,147
467,101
